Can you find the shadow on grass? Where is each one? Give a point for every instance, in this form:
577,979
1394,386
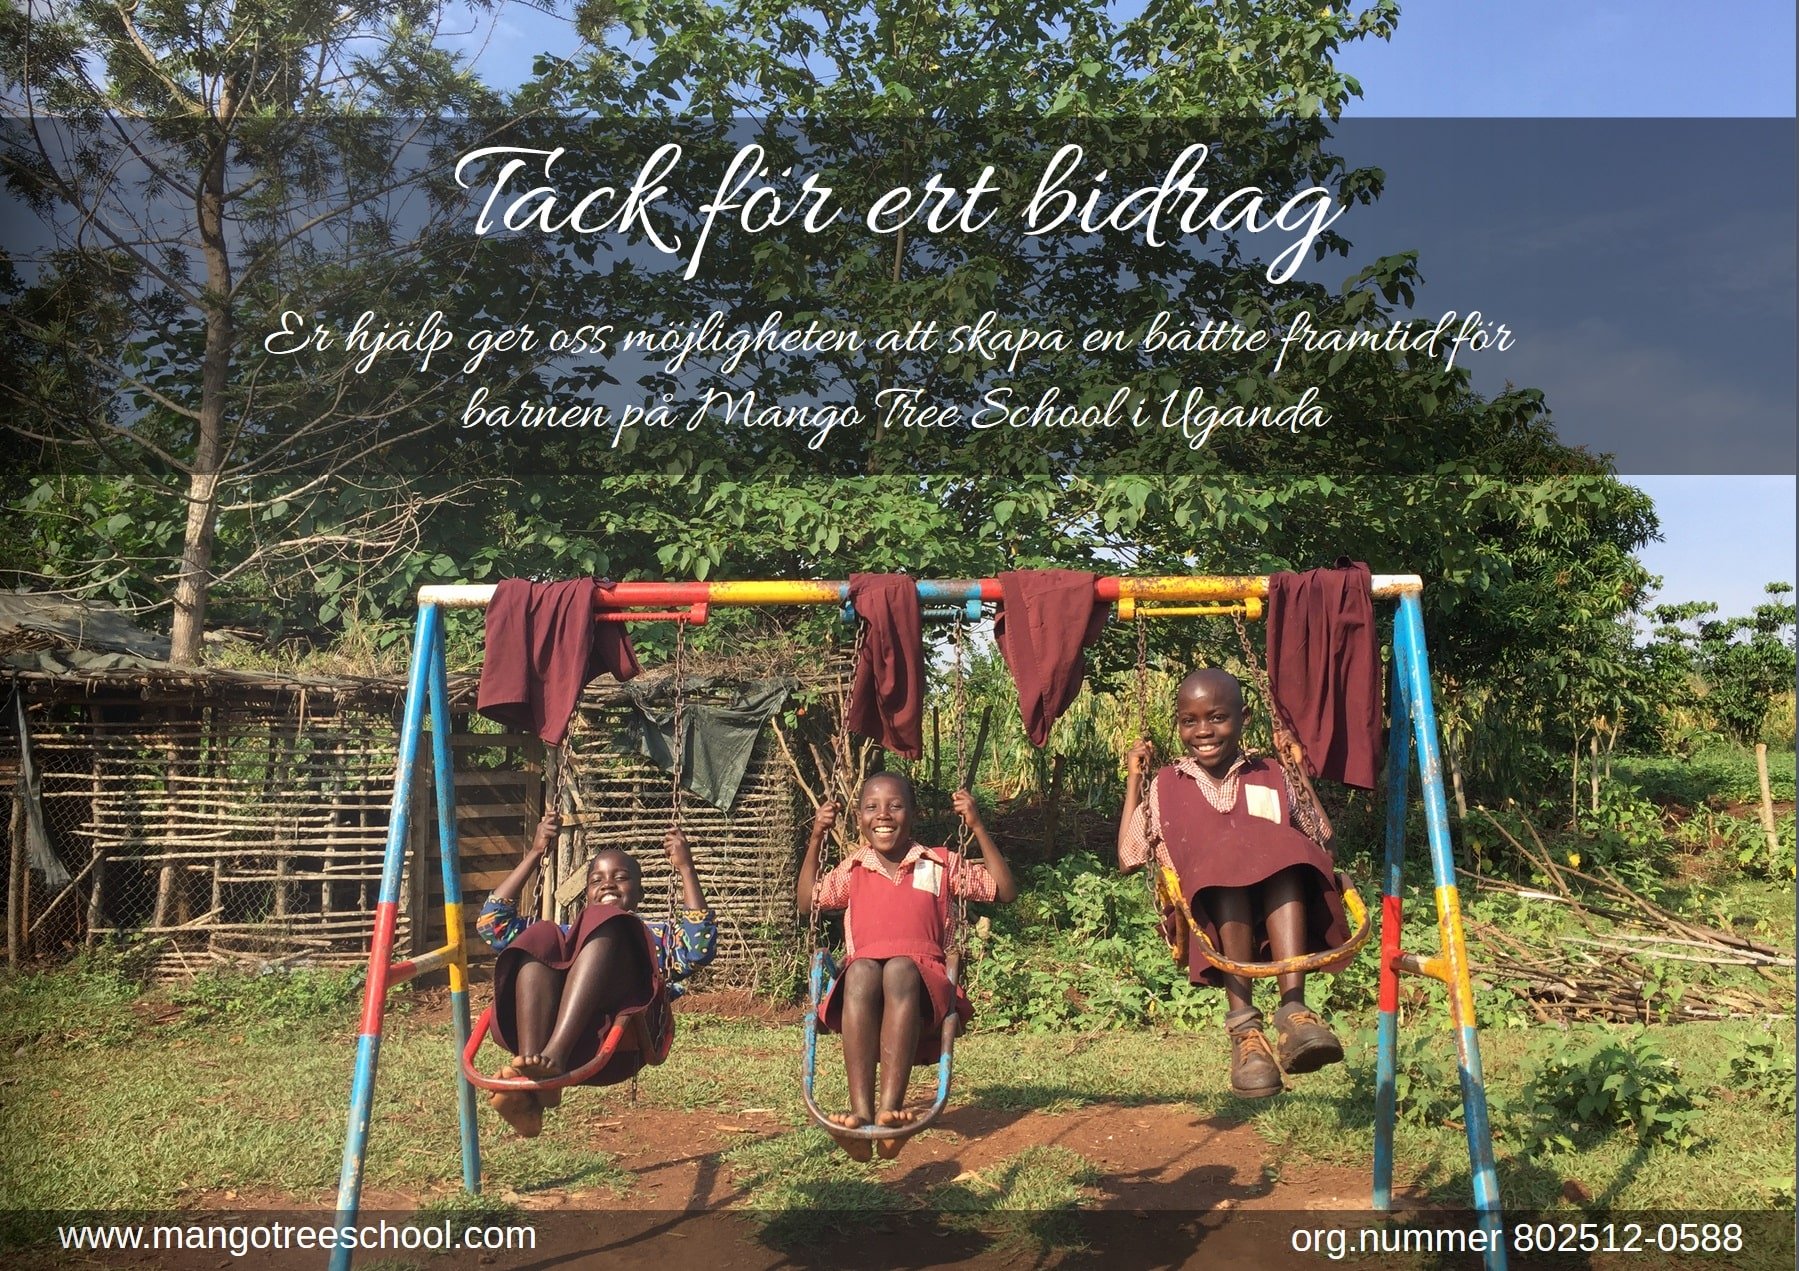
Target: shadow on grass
840,1222
1025,1097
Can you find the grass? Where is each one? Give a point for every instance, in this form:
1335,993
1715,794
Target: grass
159,1100
174,1111
1717,775
1744,1160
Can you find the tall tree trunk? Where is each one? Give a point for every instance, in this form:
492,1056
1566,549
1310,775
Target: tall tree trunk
1593,769
1452,752
1574,785
193,581
195,577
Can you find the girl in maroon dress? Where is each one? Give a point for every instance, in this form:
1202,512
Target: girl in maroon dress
894,991
557,987
1256,883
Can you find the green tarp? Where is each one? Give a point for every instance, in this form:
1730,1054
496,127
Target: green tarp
719,740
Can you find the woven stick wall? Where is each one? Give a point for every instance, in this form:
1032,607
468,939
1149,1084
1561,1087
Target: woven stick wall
234,820
747,857
235,829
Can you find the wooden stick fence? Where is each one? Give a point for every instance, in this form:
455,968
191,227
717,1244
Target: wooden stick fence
238,821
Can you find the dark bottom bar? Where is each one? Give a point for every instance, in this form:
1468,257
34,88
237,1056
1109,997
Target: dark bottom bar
876,1241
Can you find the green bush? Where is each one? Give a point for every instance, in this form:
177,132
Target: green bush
1762,861
1764,1071
1080,950
1426,1078
1714,776
1626,835
1607,1086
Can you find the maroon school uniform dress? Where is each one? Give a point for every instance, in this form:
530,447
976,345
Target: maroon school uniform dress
549,943
1249,844
908,916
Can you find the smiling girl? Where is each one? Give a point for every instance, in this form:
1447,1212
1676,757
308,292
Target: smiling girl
557,986
894,992
1225,825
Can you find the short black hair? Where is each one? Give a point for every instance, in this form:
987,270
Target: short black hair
1214,675
636,869
905,784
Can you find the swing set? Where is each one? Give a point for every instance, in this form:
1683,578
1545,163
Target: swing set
1412,726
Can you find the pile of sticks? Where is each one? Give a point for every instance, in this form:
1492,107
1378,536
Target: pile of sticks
1610,971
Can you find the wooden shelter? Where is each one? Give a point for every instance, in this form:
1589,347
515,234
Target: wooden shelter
233,819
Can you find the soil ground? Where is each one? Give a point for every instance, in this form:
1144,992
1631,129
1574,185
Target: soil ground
1168,1191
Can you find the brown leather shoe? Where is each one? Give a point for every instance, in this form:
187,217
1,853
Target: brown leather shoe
1307,1044
1254,1074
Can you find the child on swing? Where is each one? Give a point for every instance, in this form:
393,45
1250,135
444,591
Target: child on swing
894,992
556,986
1226,825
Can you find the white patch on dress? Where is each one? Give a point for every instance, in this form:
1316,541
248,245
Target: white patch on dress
1263,802
927,875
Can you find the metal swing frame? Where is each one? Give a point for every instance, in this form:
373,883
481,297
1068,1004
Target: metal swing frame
1412,731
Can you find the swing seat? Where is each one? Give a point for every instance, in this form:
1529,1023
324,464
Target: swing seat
824,974
629,1031
1197,944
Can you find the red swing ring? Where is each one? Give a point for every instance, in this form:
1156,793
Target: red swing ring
630,1021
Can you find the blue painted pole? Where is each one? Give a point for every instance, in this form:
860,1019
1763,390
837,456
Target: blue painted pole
1408,642
455,937
374,997
1386,1036
815,990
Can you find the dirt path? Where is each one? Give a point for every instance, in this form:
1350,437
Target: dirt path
1146,1160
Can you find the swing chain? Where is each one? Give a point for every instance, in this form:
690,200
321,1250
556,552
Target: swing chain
843,747
550,869
1152,867
1305,801
830,784
959,710
679,749
1142,678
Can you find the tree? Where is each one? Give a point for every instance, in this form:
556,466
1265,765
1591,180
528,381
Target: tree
1734,669
199,171
1476,494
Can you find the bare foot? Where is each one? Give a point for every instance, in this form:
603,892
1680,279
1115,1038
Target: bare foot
539,1068
890,1148
858,1149
518,1108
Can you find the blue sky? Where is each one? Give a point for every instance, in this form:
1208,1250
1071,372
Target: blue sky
1642,58
1723,537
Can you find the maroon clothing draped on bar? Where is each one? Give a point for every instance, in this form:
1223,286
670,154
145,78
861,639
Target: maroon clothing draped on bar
1324,669
548,943
887,698
1046,617
543,646
1240,848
